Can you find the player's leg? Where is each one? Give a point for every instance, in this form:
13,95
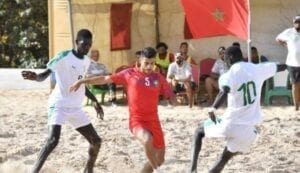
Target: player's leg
188,88
221,162
91,135
146,139
52,141
295,92
211,85
196,147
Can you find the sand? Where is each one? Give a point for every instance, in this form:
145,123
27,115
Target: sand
23,130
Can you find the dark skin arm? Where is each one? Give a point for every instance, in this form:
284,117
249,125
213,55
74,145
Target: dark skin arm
281,67
220,99
96,104
30,75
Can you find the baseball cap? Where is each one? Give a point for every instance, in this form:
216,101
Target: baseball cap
296,19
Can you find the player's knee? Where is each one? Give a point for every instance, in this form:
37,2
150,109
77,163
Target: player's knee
52,142
96,142
160,160
199,132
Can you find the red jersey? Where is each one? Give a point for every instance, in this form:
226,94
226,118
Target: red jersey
143,92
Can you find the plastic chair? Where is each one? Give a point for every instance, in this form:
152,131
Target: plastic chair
205,70
280,88
96,91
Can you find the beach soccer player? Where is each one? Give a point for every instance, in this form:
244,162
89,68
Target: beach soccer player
241,86
144,87
64,106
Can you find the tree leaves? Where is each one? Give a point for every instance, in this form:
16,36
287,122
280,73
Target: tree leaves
23,33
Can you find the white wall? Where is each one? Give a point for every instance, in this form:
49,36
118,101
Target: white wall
12,79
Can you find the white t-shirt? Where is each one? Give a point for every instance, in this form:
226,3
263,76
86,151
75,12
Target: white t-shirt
292,38
68,69
180,73
219,67
96,68
245,81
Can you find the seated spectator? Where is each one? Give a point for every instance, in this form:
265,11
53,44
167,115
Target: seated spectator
211,82
180,76
98,69
184,49
163,58
255,57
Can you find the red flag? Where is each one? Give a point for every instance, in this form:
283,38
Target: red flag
207,18
120,26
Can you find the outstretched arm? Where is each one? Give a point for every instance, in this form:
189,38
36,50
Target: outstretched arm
281,67
97,80
97,106
30,75
220,99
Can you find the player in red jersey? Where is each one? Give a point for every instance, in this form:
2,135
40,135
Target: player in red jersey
143,89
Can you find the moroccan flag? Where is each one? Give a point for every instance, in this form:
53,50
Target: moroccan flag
207,18
120,21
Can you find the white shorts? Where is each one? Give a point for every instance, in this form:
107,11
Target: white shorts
75,116
239,137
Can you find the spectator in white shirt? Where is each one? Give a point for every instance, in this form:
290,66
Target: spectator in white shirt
180,76
290,38
211,82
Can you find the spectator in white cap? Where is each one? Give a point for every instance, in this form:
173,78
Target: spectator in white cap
290,38
180,76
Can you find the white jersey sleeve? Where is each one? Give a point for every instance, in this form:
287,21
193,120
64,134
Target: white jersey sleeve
266,70
56,63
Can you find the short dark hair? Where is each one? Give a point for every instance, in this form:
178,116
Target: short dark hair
234,54
236,44
138,52
162,44
184,43
84,33
253,48
148,52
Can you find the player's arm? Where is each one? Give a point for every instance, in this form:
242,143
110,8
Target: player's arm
220,99
97,106
97,80
281,67
281,42
30,75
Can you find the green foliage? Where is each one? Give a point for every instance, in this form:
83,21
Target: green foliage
23,33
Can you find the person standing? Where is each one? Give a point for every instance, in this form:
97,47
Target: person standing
69,66
290,38
241,86
144,87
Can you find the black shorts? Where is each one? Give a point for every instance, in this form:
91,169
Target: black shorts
294,73
180,87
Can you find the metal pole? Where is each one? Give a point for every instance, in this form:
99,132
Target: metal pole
71,23
249,33
156,21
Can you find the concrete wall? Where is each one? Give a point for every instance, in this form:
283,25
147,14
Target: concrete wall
269,18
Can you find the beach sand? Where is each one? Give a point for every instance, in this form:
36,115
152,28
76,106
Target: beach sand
23,130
